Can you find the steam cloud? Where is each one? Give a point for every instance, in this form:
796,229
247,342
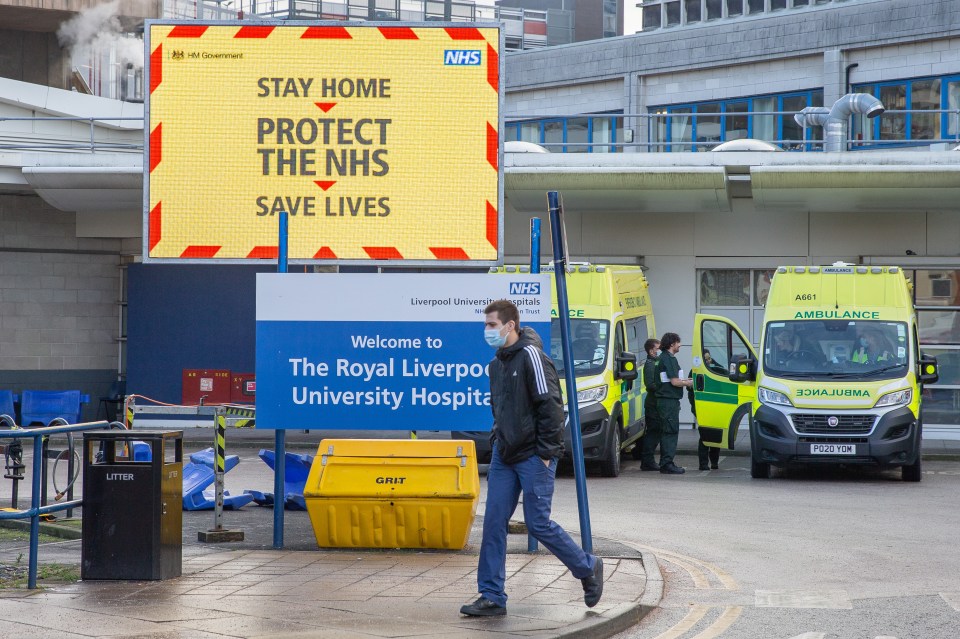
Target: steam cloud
97,30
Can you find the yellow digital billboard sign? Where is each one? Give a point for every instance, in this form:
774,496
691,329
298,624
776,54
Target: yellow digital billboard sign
381,142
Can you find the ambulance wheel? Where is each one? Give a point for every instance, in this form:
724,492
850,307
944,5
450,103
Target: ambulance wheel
759,470
913,472
610,465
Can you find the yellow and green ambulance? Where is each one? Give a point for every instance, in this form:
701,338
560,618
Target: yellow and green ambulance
838,378
610,319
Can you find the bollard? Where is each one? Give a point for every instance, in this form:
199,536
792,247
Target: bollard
217,534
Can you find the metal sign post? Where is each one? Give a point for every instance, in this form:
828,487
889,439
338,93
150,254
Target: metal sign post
534,269
280,436
563,309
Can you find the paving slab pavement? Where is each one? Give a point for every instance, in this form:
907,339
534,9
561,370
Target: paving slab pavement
249,589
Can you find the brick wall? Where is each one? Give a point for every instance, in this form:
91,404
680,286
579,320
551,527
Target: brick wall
58,302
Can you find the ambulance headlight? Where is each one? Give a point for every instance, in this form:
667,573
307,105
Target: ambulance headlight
897,398
592,395
768,396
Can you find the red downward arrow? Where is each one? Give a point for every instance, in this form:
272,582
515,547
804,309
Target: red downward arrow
325,106
324,185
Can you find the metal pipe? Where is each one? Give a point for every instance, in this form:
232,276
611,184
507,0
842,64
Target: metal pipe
846,73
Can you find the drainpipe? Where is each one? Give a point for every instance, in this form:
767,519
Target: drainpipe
834,121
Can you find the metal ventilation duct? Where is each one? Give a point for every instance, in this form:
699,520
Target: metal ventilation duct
834,120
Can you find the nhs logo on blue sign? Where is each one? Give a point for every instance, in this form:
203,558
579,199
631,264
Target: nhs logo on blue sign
461,57
524,288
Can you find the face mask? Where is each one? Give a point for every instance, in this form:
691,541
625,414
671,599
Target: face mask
494,338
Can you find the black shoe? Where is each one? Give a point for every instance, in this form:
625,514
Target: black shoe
649,467
672,469
593,585
483,607
705,467
715,466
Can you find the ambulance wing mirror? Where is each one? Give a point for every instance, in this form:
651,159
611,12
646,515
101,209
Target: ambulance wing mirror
743,368
626,366
929,373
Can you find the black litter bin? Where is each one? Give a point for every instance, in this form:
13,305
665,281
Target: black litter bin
132,504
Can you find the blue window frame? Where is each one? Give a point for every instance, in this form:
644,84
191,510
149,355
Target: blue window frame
910,94
576,134
700,126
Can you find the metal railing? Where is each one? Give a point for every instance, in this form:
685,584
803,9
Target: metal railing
656,126
15,140
661,138
39,436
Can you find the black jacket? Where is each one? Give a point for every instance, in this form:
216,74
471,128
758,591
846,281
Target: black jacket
525,398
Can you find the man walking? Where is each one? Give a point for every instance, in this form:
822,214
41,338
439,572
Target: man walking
651,418
527,442
669,394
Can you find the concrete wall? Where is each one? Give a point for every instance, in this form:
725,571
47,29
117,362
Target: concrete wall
59,322
31,56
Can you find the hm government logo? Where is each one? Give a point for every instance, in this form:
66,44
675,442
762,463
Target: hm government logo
177,54
524,288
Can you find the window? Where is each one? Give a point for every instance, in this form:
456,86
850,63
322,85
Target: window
924,96
570,135
953,102
673,13
720,345
618,343
937,299
693,10
578,130
754,6
589,341
893,126
776,5
738,294
792,133
680,129
737,126
636,335
915,96
714,9
707,127
734,7
764,126
801,3
609,18
651,16
715,122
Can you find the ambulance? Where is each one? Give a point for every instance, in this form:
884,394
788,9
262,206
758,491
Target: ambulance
610,319
838,378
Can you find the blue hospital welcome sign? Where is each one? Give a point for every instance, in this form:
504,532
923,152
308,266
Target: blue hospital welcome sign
382,351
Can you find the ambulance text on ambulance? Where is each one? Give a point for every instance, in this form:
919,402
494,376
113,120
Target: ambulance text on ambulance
837,315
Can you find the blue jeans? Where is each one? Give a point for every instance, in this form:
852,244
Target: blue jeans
504,483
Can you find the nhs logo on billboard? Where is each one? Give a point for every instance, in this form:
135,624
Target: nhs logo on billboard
524,288
461,57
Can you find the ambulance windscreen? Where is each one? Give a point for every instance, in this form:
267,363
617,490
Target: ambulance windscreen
589,345
831,348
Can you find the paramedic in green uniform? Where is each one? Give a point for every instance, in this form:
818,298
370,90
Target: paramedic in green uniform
651,381
669,394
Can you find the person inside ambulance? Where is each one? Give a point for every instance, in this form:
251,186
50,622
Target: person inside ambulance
793,352
586,344
872,349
